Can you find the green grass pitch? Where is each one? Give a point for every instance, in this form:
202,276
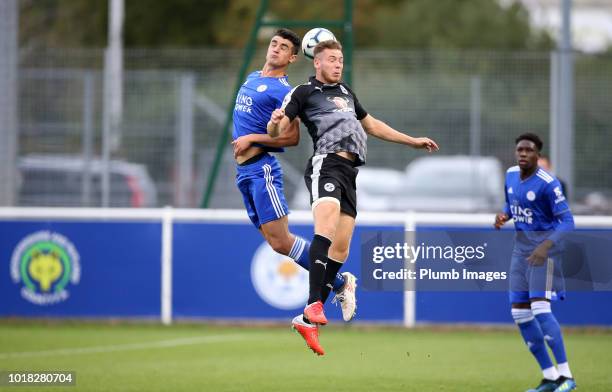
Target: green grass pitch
213,358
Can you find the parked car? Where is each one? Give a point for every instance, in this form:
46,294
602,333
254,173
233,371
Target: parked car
452,184
61,181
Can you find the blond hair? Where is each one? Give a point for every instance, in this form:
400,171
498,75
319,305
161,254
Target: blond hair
329,44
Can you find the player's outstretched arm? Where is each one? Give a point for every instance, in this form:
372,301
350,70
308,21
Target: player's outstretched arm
382,131
290,137
278,123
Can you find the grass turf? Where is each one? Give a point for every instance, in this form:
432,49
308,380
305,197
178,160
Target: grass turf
212,358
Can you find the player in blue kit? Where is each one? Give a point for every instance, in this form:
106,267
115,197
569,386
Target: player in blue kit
537,205
259,175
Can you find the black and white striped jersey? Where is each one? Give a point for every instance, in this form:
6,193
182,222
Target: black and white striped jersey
331,112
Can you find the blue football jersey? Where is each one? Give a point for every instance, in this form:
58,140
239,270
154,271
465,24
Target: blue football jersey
255,102
534,204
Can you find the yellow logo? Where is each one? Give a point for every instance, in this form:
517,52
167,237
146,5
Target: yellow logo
45,263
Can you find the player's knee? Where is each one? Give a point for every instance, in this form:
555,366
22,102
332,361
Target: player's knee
539,307
521,316
339,253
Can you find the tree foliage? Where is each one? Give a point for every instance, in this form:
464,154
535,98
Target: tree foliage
200,23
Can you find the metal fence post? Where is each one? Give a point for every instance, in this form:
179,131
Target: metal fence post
8,101
184,143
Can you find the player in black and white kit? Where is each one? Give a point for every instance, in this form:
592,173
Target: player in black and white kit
338,125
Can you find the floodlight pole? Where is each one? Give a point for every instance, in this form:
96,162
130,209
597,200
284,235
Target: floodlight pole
562,103
9,119
113,92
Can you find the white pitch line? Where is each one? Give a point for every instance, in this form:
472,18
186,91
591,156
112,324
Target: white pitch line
125,347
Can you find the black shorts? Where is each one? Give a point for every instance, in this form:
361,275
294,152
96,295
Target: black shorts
332,177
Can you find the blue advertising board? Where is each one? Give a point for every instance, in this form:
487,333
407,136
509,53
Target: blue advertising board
80,269
220,270
228,271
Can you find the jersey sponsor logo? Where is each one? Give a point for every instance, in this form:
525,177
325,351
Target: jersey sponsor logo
261,88
531,196
278,280
329,187
520,214
244,103
559,195
341,103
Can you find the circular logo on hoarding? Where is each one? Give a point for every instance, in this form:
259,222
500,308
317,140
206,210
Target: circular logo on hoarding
45,263
278,280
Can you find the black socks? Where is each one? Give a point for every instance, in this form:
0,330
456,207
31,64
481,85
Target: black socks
319,263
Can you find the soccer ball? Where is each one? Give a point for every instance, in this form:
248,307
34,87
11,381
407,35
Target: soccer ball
312,38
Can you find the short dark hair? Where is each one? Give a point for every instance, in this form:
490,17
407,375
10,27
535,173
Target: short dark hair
329,44
291,36
532,137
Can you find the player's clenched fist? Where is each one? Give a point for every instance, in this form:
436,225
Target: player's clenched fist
500,219
277,115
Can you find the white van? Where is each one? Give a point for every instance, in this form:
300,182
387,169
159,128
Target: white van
452,184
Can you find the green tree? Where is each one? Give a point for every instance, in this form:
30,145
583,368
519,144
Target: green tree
198,23
159,23
452,24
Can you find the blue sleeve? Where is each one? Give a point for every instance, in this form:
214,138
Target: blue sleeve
560,209
556,198
566,224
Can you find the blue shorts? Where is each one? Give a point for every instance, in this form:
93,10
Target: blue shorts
544,281
261,185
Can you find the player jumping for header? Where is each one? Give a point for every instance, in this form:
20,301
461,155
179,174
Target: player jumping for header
259,175
338,125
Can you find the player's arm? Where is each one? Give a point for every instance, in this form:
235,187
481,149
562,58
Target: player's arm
278,123
565,219
291,137
503,217
383,131
281,119
561,211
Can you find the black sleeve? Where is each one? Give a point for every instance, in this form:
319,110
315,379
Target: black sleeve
294,101
359,109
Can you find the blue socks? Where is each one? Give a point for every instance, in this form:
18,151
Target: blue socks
299,253
539,327
533,336
550,329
